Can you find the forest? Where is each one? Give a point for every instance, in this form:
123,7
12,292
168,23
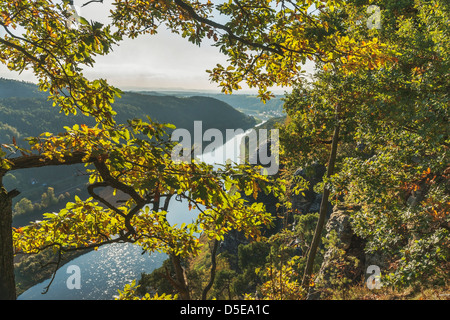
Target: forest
359,208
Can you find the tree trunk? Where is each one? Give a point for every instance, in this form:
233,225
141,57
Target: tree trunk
213,270
322,213
180,279
7,281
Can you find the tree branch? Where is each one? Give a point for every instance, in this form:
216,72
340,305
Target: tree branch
37,161
230,32
213,269
28,55
58,262
89,2
94,195
106,176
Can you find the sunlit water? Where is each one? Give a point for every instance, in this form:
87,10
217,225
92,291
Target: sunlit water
111,267
103,272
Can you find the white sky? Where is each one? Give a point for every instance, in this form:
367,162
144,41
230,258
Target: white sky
151,62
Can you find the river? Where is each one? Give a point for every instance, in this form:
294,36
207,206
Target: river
111,267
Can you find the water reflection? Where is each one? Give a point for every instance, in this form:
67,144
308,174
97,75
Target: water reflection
103,272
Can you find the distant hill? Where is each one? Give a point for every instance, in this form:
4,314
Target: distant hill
183,111
12,88
25,111
248,103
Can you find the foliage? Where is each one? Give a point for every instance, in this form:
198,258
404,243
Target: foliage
385,89
155,281
32,269
143,170
283,282
25,112
223,284
393,156
266,42
129,293
132,159
57,53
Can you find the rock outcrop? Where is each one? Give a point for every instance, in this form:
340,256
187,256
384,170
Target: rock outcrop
344,259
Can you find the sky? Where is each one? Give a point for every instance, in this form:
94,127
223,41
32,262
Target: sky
164,61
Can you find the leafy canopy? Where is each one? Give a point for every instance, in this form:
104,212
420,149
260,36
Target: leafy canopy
266,42
393,157
135,161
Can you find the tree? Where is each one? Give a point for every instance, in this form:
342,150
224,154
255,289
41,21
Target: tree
394,137
7,284
23,206
133,159
317,111
406,130
141,169
56,54
266,42
7,252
